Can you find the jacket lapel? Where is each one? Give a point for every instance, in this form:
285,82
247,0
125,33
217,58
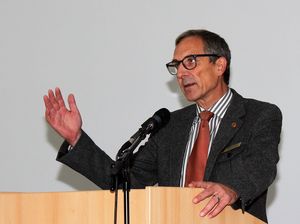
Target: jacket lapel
180,135
229,126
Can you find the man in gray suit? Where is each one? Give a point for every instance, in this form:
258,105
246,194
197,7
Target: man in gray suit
244,134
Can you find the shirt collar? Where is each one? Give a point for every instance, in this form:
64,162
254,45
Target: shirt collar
220,107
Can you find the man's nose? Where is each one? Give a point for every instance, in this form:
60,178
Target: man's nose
182,71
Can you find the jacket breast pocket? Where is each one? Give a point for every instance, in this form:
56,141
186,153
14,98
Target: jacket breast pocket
230,152
229,163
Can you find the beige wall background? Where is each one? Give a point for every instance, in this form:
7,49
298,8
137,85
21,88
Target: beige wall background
111,54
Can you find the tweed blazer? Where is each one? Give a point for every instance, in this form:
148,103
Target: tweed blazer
243,154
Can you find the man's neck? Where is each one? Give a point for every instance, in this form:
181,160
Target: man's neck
213,98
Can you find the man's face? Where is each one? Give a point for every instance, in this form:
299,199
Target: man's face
203,84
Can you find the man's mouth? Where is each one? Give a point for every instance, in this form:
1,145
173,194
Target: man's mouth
187,82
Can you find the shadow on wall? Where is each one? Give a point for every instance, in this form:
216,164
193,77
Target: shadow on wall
75,180
272,193
66,174
175,89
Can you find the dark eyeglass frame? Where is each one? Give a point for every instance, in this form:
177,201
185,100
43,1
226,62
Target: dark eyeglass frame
173,65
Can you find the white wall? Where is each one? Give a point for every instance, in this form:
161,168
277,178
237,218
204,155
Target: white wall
112,55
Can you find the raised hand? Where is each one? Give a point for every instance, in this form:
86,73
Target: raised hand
66,122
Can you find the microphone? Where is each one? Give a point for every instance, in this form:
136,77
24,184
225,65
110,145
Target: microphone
153,124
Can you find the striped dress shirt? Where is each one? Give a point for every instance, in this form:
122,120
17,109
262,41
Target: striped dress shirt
219,109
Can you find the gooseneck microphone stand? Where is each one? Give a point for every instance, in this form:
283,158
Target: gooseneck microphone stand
121,168
121,173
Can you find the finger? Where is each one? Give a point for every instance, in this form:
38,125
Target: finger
72,103
203,195
192,184
210,206
49,107
47,102
200,184
59,98
53,99
195,184
218,208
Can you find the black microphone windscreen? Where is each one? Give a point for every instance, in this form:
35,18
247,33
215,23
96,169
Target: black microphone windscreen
163,115
157,121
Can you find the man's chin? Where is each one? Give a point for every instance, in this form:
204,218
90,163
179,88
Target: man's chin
190,98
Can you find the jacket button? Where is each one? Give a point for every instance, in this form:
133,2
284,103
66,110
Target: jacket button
233,124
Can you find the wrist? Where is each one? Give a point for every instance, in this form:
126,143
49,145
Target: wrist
73,141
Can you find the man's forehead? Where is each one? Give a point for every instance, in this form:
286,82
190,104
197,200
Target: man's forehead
188,46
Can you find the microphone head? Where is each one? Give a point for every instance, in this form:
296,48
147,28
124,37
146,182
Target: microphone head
162,117
157,121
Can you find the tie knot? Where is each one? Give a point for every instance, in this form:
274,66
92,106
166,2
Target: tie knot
206,115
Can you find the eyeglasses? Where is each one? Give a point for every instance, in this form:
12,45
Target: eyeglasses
189,62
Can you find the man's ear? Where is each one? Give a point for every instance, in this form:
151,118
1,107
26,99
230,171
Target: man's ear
221,65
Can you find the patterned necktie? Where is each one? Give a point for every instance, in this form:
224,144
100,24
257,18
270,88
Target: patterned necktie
197,160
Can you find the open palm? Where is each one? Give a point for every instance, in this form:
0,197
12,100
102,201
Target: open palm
66,122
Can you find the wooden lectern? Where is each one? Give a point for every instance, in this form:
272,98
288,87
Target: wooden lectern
153,205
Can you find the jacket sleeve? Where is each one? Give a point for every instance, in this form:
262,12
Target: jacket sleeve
89,160
92,162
